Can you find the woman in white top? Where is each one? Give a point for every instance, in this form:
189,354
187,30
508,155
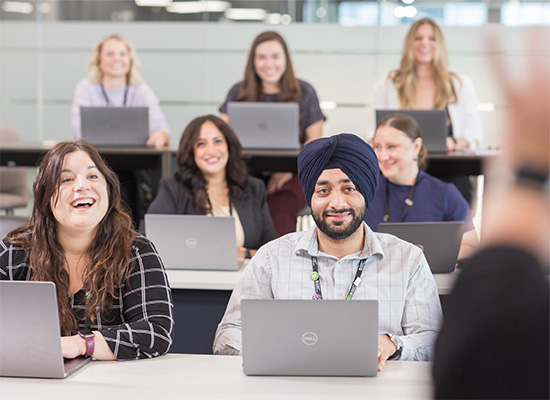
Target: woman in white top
423,82
114,80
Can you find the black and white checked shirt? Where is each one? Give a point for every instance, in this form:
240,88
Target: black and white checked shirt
140,322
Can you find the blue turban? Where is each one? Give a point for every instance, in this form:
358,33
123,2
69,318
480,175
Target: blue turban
348,152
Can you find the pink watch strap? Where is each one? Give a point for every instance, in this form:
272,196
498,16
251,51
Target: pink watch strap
90,344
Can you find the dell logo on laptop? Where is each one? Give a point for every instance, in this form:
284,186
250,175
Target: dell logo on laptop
191,243
309,338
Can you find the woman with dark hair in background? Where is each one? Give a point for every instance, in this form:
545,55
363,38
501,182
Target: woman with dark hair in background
111,284
212,179
406,193
269,77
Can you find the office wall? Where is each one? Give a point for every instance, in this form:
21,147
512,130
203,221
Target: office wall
191,66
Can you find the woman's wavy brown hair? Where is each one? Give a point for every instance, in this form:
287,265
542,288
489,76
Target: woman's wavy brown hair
252,88
404,78
108,255
190,175
409,126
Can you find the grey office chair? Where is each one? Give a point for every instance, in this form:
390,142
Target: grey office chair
14,191
10,222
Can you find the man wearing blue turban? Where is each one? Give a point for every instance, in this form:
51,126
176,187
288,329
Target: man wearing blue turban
339,175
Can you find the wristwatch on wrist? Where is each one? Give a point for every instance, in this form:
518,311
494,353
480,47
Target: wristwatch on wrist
89,337
398,346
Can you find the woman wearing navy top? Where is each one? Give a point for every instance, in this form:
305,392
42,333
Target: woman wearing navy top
269,77
401,155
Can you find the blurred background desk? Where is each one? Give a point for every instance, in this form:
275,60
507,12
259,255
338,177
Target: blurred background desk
218,377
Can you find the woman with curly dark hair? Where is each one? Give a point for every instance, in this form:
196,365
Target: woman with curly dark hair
111,285
212,179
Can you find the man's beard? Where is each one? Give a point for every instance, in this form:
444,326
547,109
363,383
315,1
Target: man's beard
332,231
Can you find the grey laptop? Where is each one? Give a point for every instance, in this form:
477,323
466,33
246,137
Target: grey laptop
30,344
440,241
115,126
265,125
310,337
194,241
433,124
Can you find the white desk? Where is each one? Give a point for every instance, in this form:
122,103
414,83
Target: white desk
226,280
193,377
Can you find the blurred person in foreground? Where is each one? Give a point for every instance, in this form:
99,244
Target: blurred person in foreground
495,338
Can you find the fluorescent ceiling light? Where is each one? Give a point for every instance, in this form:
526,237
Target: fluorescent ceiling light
17,7
193,7
401,12
408,1
328,105
248,14
153,3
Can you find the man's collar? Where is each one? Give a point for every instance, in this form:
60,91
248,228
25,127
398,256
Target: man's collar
309,244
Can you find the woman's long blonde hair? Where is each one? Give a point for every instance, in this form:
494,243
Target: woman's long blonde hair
405,78
96,75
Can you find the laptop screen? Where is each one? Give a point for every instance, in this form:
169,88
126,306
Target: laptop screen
265,125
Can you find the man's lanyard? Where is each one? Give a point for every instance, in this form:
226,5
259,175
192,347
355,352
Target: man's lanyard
408,201
316,278
107,97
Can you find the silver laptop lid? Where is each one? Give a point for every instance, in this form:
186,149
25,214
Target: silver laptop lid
115,126
440,241
433,124
265,125
194,241
310,337
30,344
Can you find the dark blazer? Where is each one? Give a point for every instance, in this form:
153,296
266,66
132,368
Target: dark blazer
252,208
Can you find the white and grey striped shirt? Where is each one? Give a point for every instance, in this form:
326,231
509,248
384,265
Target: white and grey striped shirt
396,274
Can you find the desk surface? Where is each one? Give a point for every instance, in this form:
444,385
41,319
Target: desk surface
226,280
217,377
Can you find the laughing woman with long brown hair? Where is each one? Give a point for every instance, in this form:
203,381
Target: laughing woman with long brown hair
112,290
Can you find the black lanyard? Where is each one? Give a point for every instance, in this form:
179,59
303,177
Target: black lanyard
408,201
107,97
316,278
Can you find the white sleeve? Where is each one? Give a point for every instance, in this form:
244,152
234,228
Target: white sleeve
147,98
384,97
464,113
82,97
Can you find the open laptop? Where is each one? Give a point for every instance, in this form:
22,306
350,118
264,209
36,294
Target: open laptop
265,125
433,124
194,241
30,344
115,126
310,337
440,241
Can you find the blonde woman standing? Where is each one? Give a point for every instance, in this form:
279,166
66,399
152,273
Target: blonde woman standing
423,82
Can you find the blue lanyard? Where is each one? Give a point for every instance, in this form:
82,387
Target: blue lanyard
316,278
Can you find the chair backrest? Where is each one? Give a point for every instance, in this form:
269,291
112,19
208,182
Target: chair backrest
14,191
10,222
